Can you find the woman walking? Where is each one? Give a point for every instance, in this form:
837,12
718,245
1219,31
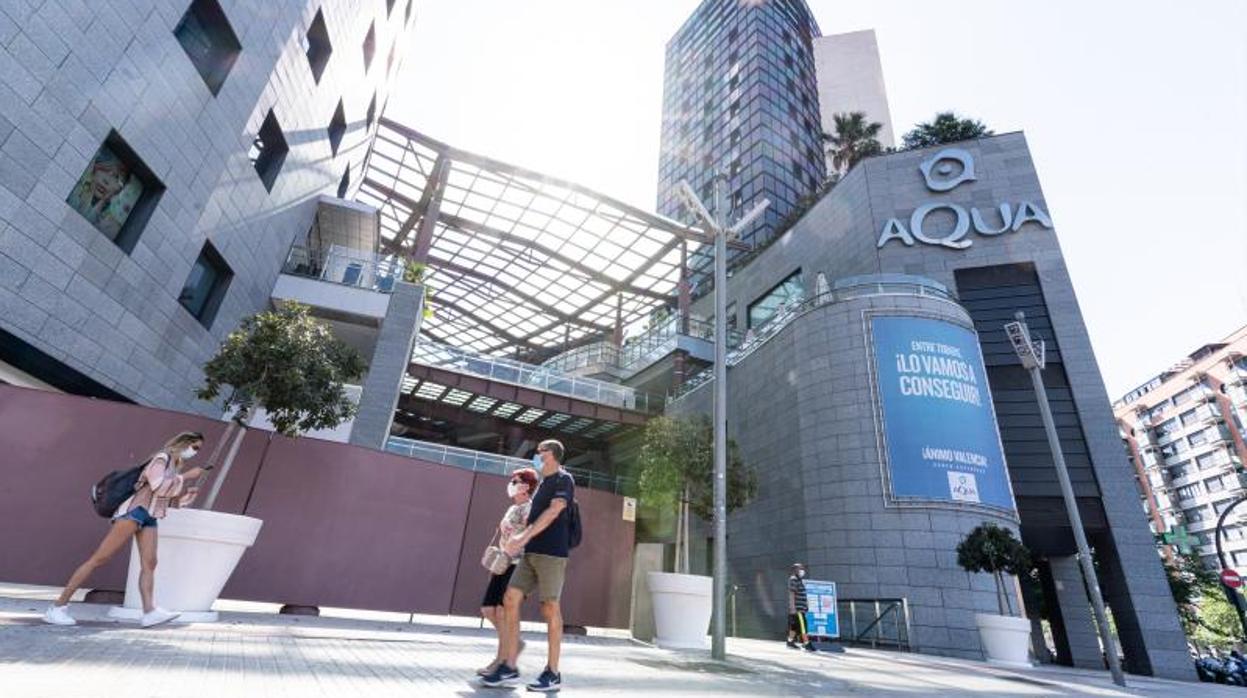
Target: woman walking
520,489
161,482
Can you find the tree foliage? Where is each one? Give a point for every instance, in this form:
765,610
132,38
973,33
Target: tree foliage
855,138
677,454
1208,617
995,550
946,127
288,362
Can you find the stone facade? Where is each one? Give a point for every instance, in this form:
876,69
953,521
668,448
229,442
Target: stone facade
71,72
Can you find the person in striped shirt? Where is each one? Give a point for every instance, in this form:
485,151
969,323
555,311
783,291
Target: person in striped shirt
798,604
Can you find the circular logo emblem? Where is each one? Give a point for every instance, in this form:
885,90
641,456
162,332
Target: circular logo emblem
947,169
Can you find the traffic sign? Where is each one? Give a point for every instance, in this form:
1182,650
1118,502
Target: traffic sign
1231,579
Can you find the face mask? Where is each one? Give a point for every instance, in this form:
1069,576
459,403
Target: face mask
537,461
512,489
801,573
189,452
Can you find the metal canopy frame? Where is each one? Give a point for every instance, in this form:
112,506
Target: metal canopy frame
519,262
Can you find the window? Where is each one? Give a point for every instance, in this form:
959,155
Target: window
1190,491
1180,470
205,287
370,45
372,112
116,192
1187,417
268,150
1199,438
209,41
318,46
1214,485
1208,460
1196,514
787,291
337,127
345,183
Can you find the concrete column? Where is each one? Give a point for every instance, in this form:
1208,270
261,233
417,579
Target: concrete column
389,362
1072,604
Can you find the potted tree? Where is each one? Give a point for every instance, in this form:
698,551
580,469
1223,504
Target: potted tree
288,363
676,467
994,549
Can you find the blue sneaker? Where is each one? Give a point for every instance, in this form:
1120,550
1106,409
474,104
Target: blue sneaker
502,676
548,681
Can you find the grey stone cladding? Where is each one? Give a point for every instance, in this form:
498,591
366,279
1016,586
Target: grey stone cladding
71,71
838,238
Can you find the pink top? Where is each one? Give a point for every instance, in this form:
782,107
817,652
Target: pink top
159,483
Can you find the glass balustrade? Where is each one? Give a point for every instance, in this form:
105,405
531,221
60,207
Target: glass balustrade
344,266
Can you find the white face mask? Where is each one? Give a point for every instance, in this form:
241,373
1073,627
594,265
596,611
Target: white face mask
189,452
801,573
513,488
537,463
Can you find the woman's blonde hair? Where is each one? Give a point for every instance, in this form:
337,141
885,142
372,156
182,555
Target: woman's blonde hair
173,447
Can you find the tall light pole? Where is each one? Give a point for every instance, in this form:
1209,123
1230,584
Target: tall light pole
1031,352
715,224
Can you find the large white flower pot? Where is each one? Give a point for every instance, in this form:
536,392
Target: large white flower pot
196,553
1006,639
682,608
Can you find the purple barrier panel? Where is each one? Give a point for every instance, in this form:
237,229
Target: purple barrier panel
598,587
53,447
355,528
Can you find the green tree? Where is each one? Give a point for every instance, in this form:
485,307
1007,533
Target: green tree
854,139
287,362
946,127
676,470
1208,618
994,549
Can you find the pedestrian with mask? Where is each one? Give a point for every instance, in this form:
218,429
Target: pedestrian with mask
162,483
546,542
798,604
520,490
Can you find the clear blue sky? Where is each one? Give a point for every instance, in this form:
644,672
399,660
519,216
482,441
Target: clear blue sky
1135,110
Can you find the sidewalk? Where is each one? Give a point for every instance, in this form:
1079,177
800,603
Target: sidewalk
260,654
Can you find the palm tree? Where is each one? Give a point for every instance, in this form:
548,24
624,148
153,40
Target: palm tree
946,127
855,138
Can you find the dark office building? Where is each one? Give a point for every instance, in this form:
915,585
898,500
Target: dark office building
740,96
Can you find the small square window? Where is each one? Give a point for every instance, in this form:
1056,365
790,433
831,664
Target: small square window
372,112
268,150
318,46
337,128
209,41
370,45
344,184
116,192
205,286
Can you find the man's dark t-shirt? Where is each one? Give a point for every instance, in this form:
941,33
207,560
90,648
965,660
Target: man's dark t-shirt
555,539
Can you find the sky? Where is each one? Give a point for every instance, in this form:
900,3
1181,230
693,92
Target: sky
1135,112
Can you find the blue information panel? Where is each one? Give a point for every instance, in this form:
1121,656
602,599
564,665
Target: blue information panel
938,420
821,620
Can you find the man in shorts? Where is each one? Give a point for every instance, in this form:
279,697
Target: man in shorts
546,542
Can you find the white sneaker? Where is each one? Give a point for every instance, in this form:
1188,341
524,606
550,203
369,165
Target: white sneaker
58,615
156,617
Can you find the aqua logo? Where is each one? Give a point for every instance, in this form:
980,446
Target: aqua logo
947,169
962,487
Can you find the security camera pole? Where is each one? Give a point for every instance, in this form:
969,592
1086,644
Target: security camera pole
1031,352
715,224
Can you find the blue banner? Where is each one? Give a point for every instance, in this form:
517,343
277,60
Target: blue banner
821,620
942,444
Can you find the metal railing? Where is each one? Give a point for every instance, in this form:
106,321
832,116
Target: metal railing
784,316
340,265
603,353
876,622
641,350
532,376
497,464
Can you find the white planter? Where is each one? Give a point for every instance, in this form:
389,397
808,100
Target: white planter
1006,639
196,553
682,608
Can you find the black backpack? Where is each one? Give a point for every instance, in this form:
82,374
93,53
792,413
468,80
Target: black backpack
115,488
575,531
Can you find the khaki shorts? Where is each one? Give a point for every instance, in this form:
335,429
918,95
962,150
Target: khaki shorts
541,572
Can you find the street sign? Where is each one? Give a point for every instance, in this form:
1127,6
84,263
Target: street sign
1231,579
821,619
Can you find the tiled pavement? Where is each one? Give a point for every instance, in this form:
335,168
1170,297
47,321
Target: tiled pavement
260,654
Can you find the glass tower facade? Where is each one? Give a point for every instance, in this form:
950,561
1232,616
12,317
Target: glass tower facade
740,97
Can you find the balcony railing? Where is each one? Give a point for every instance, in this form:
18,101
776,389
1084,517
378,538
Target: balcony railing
341,265
536,377
640,351
497,464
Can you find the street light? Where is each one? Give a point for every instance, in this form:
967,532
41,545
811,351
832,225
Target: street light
716,226
1031,351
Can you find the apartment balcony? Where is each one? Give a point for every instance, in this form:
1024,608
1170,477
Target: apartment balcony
349,284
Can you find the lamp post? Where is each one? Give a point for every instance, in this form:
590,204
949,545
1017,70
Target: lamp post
1230,593
1031,352
715,224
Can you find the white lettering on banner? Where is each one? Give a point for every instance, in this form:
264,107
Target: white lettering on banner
957,238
